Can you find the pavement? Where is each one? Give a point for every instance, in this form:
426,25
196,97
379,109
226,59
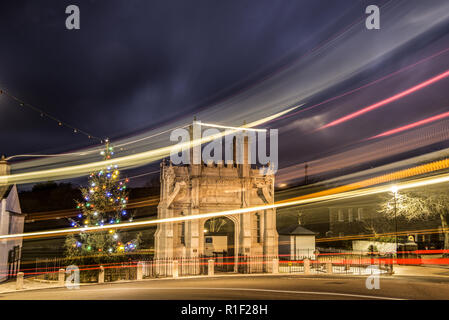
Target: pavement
422,271
241,287
28,284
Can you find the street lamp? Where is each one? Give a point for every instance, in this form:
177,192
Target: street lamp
394,189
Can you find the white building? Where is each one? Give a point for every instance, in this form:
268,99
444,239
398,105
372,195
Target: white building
11,221
296,243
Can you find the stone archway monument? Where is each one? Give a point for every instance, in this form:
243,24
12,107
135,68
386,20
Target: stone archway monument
196,189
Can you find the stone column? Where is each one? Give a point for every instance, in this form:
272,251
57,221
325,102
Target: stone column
192,241
306,266
61,277
101,275
139,270
275,266
175,269
329,267
210,267
19,281
270,236
163,241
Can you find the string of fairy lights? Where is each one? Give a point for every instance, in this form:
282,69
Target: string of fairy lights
44,114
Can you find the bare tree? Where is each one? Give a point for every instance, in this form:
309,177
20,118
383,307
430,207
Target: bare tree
420,206
216,224
377,226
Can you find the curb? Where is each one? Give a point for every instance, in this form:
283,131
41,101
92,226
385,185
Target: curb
205,277
298,275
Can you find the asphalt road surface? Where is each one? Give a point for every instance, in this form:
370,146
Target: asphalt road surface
249,287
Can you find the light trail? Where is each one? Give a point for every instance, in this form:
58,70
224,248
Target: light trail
343,192
94,150
411,125
128,161
385,234
67,213
387,101
376,150
234,128
365,85
390,177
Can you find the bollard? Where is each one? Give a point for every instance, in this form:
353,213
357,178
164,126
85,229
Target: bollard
175,268
210,267
19,282
101,275
306,266
139,270
61,277
329,267
275,266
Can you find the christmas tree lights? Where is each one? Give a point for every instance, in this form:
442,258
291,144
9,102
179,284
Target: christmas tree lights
105,200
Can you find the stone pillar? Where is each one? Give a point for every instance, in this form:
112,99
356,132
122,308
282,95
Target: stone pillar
244,148
270,236
210,267
175,269
163,241
19,281
101,275
245,233
306,266
139,270
61,277
329,267
192,244
4,166
275,268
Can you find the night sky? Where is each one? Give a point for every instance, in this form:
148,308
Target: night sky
134,65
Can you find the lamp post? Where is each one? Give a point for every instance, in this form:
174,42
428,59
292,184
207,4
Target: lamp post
394,189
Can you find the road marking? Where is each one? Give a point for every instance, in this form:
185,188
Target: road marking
254,290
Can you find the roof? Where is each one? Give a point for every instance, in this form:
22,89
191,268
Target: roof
296,229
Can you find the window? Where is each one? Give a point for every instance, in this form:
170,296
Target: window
258,227
350,215
10,225
183,232
341,217
360,214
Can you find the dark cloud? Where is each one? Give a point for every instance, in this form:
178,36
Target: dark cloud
135,64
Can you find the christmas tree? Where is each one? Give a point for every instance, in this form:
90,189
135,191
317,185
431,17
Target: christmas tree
104,203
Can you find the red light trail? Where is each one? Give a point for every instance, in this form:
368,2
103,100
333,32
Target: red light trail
388,100
364,86
412,125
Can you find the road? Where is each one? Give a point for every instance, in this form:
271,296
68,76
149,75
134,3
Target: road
249,287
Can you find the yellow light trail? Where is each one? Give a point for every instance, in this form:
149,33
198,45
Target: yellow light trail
332,194
394,176
58,214
126,161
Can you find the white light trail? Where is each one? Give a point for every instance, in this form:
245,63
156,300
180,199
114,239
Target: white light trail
338,196
124,162
227,127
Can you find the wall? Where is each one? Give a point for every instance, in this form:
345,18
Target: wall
382,247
